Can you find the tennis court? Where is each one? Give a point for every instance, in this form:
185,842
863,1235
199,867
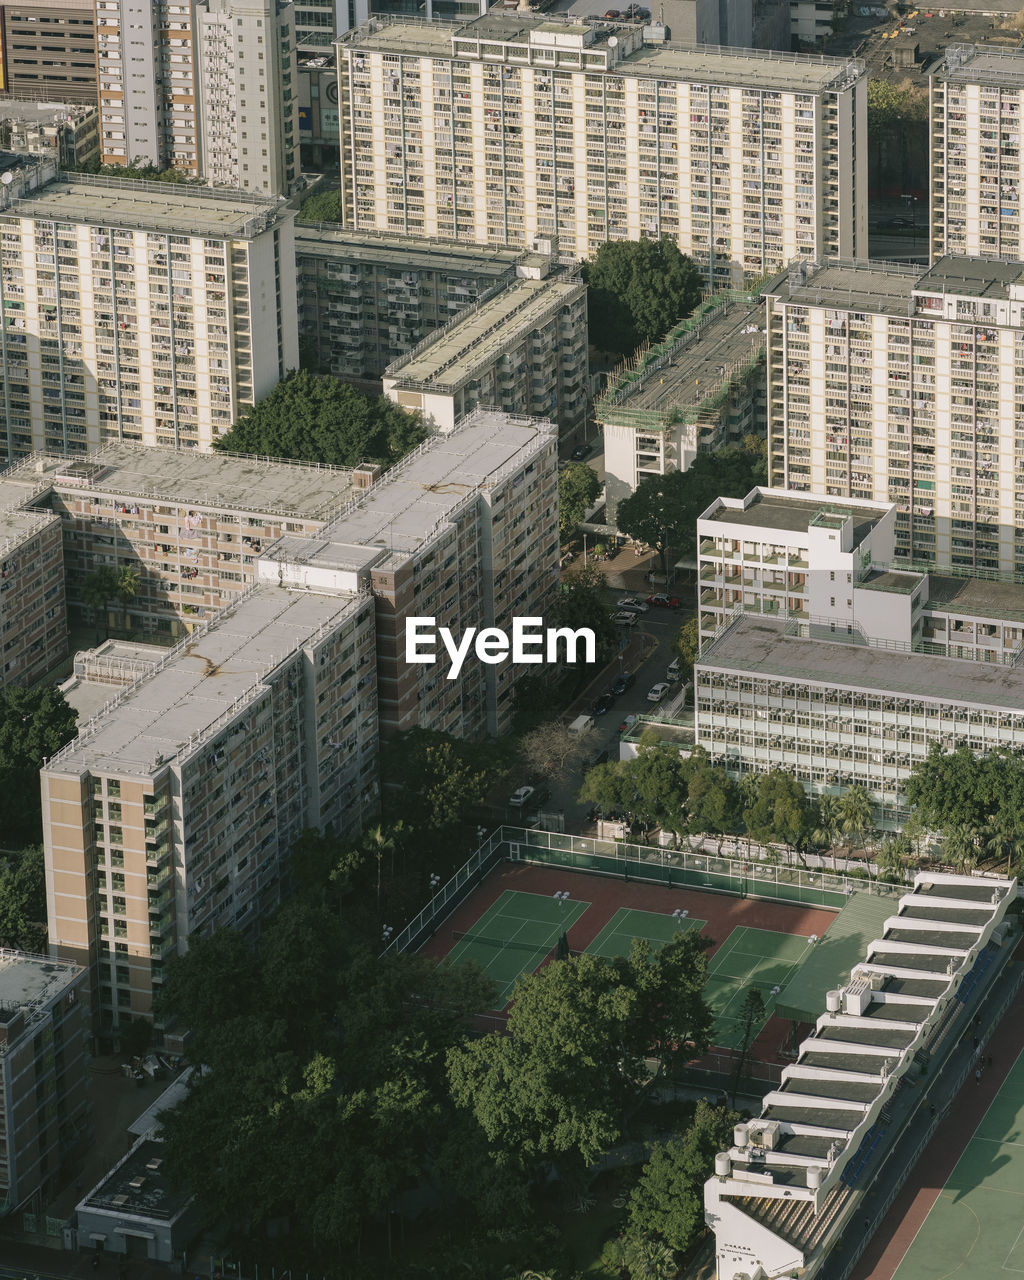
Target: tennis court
514,935
616,938
748,958
976,1226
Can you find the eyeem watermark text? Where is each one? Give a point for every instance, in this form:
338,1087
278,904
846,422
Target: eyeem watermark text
529,642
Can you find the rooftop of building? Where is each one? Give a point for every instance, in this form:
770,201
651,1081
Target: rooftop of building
403,253
702,359
203,681
161,207
980,64
895,580
971,277
477,338
777,511
418,495
890,288
704,64
215,480
137,1187
44,112
980,597
760,646
32,983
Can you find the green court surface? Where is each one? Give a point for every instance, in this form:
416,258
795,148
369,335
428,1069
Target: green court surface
616,938
514,935
748,958
975,1228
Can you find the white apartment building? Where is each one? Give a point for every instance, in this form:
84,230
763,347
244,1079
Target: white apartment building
523,351
893,384
248,101
147,83
701,387
367,298
141,312
976,110
799,1175
827,567
510,126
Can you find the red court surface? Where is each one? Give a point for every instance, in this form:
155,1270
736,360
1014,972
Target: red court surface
606,895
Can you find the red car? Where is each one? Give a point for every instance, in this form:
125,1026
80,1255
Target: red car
664,602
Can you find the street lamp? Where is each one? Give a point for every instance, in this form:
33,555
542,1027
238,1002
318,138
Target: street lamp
435,880
387,932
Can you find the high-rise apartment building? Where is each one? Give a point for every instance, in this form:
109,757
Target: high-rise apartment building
140,311
976,115
366,297
147,83
248,103
48,51
45,1109
523,350
510,127
894,384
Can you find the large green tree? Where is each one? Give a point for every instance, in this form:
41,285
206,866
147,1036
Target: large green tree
578,490
636,291
582,602
23,900
686,646
325,206
311,417
779,809
34,725
662,511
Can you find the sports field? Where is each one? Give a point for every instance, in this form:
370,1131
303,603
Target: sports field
759,958
514,935
616,938
976,1226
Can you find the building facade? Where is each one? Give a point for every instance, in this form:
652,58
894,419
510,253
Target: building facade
140,312
45,1108
248,94
510,127
48,51
892,384
701,387
67,132
367,298
976,100
523,351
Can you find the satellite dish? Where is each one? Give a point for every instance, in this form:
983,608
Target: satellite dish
6,178
612,42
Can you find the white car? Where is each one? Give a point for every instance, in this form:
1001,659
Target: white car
631,602
657,692
518,799
626,619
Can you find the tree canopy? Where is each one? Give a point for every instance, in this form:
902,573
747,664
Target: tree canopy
34,725
637,290
662,511
325,206
310,417
581,602
779,809
687,647
578,490
23,900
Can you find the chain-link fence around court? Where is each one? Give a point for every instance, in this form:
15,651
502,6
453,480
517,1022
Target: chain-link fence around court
676,868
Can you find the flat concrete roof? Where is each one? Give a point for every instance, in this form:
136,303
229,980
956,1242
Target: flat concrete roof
794,515
403,253
889,580
418,495
213,671
758,646
164,207
20,109
884,287
971,277
217,481
979,64
138,1187
976,596
699,363
476,339
32,983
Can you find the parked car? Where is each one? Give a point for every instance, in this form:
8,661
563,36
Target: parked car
672,674
657,692
527,796
621,683
662,601
580,452
626,619
627,724
602,704
632,603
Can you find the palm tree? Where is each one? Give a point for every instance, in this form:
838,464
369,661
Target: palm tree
959,846
827,828
1002,836
854,814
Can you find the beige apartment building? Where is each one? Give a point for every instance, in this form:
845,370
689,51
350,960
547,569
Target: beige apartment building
523,351
367,298
140,311
893,384
48,51
45,1107
510,126
976,110
33,610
